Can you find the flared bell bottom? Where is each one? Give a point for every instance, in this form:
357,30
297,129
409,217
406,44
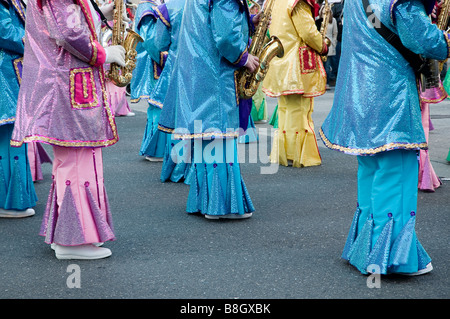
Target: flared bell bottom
154,142
295,140
177,160
259,109
274,118
37,155
216,186
428,180
250,135
77,211
382,235
16,183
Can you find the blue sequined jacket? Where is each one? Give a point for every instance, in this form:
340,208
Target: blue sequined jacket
12,31
165,39
148,69
376,104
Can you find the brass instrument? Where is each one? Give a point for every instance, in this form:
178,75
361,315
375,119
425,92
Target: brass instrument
434,67
326,13
121,76
248,83
442,22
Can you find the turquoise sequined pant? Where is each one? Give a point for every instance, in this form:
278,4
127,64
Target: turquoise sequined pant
383,228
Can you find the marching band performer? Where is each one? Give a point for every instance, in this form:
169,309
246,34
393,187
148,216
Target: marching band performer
164,38
17,193
428,180
376,117
305,78
63,102
145,75
214,36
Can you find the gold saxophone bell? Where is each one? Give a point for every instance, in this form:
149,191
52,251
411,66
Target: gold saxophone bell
121,76
248,83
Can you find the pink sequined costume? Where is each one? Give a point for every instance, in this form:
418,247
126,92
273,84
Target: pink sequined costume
63,102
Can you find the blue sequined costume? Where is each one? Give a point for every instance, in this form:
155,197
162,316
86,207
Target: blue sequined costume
16,184
145,77
214,35
164,38
376,116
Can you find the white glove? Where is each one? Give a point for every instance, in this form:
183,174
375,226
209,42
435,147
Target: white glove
115,54
108,10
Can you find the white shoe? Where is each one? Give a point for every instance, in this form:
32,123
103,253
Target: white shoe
11,213
229,216
426,270
154,159
130,114
81,252
53,246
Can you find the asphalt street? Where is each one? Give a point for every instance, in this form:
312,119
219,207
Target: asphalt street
289,249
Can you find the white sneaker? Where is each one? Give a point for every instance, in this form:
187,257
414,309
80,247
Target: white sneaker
130,114
53,245
11,213
426,270
154,159
229,216
81,252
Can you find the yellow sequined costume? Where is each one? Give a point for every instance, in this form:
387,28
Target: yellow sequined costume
295,80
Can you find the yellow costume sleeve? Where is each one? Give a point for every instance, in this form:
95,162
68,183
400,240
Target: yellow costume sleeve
305,25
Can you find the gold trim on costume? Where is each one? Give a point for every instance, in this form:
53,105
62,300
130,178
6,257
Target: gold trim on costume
16,69
288,92
165,129
204,135
12,119
161,17
236,74
51,141
312,61
240,57
371,151
83,71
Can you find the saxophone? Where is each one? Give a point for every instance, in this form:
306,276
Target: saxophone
248,83
431,79
121,76
324,27
442,23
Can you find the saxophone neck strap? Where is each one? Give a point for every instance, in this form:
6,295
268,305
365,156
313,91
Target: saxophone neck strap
416,61
102,16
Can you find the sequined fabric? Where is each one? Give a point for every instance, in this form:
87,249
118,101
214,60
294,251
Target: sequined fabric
16,183
77,210
214,37
12,30
63,100
382,232
144,79
376,105
166,39
301,66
